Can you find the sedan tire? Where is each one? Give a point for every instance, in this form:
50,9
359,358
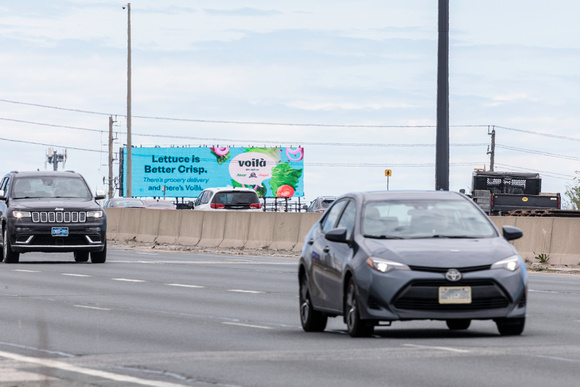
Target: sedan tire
356,326
458,325
311,320
511,326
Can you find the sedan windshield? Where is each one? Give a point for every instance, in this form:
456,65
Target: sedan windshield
424,219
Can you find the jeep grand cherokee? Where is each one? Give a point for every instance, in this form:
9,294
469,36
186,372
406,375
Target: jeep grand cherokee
51,212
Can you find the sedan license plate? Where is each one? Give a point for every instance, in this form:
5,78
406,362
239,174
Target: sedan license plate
455,295
60,231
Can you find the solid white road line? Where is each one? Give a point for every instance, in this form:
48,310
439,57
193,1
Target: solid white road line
86,371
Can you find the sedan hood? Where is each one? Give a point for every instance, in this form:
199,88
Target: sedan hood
441,252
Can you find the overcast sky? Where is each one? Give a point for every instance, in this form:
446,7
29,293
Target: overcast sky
354,83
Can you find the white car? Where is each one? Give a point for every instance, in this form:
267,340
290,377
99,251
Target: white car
227,198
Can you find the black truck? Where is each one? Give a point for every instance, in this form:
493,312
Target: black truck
498,193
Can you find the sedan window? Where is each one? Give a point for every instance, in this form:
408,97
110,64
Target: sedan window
347,219
332,215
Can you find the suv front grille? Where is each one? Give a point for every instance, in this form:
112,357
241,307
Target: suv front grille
59,217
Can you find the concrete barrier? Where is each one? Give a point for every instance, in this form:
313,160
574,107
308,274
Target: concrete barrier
148,227
129,223
261,232
556,238
236,228
212,230
169,226
113,222
190,227
286,230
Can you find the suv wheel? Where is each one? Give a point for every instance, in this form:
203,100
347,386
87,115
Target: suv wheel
99,257
9,255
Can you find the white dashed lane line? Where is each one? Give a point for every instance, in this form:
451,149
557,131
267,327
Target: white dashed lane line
91,307
27,271
127,280
246,291
75,275
186,286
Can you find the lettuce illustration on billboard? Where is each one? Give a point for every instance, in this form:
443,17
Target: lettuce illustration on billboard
284,180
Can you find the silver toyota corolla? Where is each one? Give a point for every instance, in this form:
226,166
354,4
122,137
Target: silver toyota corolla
378,257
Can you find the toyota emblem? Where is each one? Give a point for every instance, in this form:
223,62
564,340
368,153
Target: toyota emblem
453,275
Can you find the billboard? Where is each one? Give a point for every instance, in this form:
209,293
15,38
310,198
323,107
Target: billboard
186,171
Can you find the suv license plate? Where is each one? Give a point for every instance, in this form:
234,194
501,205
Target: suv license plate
455,295
60,231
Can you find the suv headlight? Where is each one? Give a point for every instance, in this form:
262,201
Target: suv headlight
21,214
384,265
511,263
95,214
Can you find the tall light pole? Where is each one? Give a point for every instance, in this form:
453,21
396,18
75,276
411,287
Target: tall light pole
442,142
129,145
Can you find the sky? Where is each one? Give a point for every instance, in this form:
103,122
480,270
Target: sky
354,83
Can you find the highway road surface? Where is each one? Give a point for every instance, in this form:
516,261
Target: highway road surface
158,318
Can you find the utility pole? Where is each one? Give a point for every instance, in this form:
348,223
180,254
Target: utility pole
54,158
491,152
129,144
111,156
442,142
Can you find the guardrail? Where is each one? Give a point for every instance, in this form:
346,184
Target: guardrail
555,237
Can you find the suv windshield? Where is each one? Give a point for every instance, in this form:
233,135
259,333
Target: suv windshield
50,187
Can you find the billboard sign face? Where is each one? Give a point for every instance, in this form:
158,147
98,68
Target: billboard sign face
185,172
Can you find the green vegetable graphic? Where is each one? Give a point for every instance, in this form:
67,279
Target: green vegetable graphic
284,174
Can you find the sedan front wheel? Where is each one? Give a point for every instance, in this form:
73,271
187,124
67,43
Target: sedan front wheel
356,326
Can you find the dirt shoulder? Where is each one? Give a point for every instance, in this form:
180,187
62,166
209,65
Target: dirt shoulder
531,266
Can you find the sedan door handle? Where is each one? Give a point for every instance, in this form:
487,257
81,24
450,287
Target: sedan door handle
311,242
326,249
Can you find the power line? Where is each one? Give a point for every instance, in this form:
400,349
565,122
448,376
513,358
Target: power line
230,122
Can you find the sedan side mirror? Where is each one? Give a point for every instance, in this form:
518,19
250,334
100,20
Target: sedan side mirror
511,233
337,235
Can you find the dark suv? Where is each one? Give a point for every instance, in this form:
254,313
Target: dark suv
51,212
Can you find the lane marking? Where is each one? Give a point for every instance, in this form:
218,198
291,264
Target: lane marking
558,358
246,291
75,275
187,286
440,348
27,271
127,280
86,371
247,325
90,307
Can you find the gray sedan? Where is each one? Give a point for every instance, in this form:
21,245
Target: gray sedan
378,257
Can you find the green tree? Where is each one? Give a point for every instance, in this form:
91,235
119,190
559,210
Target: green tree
573,192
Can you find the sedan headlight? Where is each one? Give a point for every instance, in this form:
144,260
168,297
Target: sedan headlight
95,214
384,265
21,214
511,263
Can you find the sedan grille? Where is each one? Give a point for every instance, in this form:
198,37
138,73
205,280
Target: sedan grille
424,295
59,217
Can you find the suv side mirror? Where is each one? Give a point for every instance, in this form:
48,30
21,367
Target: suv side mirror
100,194
2,195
